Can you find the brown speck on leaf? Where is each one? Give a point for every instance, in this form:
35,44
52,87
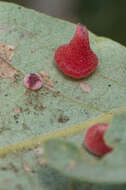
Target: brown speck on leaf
42,162
28,92
117,140
10,166
17,110
16,77
49,84
44,74
39,107
56,94
24,126
33,50
14,168
3,168
19,187
27,110
26,167
78,97
85,87
16,117
63,119
15,86
71,164
6,54
7,51
39,150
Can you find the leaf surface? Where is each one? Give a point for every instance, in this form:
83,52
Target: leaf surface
29,118
35,37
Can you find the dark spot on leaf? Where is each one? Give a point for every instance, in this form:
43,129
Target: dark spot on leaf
78,98
55,94
109,85
28,92
16,78
33,50
3,129
63,119
24,126
26,110
16,117
13,167
39,107
86,113
117,140
3,168
19,187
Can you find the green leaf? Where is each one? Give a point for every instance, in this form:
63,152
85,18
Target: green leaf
35,37
74,163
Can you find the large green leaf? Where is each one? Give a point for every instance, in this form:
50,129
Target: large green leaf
35,37
41,110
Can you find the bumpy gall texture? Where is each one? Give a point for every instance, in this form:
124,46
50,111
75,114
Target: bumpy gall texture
33,81
94,139
77,59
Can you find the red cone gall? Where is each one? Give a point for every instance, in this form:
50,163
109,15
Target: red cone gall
94,139
33,81
77,59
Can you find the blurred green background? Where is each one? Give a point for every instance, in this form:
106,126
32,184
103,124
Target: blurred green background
103,17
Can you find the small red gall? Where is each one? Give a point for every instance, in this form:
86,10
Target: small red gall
94,139
33,81
77,59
